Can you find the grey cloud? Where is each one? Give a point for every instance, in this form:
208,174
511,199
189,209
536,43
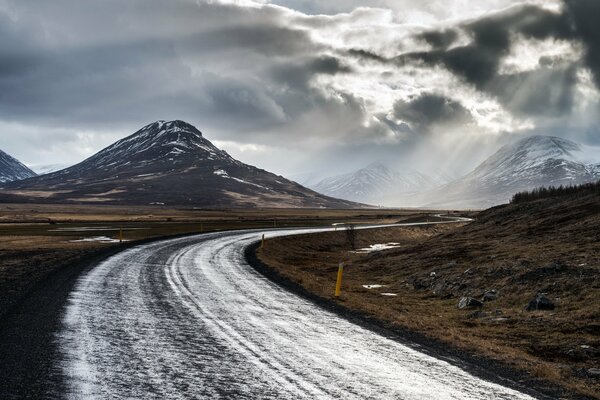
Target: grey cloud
439,39
366,55
478,62
584,15
543,92
298,74
427,111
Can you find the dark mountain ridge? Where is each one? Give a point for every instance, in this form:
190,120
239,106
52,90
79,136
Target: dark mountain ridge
12,169
168,163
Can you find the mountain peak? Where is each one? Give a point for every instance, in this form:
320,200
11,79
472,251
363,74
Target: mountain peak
170,126
548,145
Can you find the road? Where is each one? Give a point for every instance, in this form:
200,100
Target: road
189,318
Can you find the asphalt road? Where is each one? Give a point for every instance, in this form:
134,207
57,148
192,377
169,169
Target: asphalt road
189,318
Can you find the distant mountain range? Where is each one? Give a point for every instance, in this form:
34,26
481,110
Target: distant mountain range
377,184
48,168
171,163
526,164
168,163
12,169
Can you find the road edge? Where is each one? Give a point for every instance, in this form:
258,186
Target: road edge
475,364
28,346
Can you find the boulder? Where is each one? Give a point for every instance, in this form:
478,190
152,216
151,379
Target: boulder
469,302
490,295
593,373
539,303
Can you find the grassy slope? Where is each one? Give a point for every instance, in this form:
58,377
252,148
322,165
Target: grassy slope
549,245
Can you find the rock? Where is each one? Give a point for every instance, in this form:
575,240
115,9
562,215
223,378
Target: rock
540,302
490,295
593,372
477,314
469,302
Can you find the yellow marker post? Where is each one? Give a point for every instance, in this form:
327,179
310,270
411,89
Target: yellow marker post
201,227
338,284
262,242
121,234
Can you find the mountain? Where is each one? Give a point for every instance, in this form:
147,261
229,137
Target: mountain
49,168
168,163
375,184
12,169
526,164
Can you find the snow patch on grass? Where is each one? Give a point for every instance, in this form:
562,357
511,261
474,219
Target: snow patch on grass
101,239
373,286
378,247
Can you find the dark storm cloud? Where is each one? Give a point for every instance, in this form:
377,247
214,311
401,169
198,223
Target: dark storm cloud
366,55
584,15
138,78
299,74
439,39
478,62
548,90
427,111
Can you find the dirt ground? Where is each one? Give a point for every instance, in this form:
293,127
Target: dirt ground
512,253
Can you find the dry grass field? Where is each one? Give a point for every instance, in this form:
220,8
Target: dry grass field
512,253
37,240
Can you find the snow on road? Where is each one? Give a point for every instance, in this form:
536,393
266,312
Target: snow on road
188,318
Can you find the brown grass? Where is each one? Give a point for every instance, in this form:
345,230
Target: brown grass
517,250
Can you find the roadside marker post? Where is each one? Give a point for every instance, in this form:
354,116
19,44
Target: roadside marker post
121,234
338,284
262,242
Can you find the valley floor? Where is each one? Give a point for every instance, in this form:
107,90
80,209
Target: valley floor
412,278
37,241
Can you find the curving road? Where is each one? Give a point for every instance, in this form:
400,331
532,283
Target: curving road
189,318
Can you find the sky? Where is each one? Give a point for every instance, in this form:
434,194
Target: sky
300,86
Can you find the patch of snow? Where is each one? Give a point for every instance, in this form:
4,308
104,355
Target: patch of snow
373,286
378,247
101,239
389,294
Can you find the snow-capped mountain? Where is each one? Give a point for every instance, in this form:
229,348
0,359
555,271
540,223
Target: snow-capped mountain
167,163
376,184
12,169
524,165
48,168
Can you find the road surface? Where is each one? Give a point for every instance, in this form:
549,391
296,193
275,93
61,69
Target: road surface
189,318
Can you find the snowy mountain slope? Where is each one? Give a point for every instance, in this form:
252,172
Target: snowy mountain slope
167,163
526,164
12,169
48,168
375,184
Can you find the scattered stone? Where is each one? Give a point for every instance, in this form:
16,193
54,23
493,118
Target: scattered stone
477,314
490,295
469,302
593,372
432,274
540,303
